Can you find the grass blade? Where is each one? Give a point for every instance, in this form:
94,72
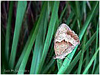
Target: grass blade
69,18
87,57
73,23
59,63
63,13
73,63
28,50
95,49
82,54
97,70
24,50
51,62
39,40
78,13
20,14
8,30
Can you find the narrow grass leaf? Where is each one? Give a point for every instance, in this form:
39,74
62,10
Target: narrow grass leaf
87,58
78,14
62,13
39,40
8,31
51,62
24,50
97,70
69,18
95,61
84,10
73,23
59,63
19,19
96,48
82,54
73,63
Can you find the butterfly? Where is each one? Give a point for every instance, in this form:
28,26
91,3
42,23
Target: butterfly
65,41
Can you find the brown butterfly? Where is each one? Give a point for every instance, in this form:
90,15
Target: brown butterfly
65,41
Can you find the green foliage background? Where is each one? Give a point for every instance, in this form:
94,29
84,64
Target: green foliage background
27,35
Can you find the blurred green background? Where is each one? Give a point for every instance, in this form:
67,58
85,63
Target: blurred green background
27,37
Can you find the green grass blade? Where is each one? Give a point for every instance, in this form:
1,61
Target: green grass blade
78,14
59,63
91,61
24,50
28,50
84,10
66,61
87,57
3,64
62,14
96,48
19,18
82,55
73,63
39,40
51,62
8,30
49,35
69,18
73,23
49,55
77,9
97,70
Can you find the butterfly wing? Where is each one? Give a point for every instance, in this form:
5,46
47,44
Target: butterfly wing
65,41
